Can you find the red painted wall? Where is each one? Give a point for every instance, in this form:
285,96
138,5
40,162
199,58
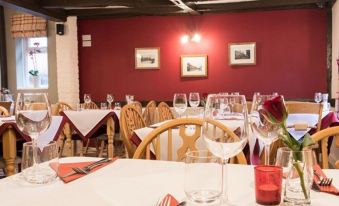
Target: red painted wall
291,54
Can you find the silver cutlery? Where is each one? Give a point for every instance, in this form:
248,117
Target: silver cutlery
86,168
323,181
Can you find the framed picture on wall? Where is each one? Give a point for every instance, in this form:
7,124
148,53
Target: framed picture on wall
242,53
147,58
194,65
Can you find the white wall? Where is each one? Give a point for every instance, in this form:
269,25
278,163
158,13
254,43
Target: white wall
67,63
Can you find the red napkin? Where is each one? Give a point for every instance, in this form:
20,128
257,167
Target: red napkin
171,200
66,168
329,189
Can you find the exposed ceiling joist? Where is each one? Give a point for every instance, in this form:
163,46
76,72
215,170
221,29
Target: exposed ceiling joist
33,8
184,7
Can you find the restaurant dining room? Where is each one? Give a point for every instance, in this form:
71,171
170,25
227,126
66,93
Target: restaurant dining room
169,102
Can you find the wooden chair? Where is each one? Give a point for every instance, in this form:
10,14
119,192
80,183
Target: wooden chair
3,111
7,105
322,136
130,119
149,114
153,139
138,106
63,106
165,112
90,105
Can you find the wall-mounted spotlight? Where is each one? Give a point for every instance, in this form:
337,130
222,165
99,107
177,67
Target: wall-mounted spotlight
194,38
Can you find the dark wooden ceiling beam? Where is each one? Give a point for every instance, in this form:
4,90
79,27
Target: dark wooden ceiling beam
33,8
258,4
99,3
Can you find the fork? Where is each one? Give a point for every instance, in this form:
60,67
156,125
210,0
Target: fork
323,181
86,167
164,202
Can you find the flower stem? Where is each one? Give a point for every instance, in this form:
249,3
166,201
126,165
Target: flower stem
301,176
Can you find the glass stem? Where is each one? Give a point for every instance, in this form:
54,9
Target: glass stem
267,154
35,150
224,181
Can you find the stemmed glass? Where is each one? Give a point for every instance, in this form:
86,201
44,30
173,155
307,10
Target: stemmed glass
180,103
194,100
261,128
33,117
224,145
317,97
110,99
87,98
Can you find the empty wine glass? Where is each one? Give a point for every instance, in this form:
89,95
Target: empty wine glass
180,103
33,116
194,100
87,98
110,99
261,128
317,97
230,144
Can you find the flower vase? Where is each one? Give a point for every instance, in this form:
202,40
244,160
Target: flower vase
299,179
35,80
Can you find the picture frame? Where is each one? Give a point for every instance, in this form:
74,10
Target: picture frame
194,65
147,58
242,53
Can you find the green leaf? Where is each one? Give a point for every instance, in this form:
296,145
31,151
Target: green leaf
307,141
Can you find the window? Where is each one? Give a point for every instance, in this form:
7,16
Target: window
32,63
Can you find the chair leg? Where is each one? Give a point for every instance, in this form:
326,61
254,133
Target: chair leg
62,148
86,147
81,149
102,147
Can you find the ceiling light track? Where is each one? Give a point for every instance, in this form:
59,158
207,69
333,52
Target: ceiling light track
184,7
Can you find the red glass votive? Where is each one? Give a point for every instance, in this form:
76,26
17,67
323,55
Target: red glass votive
268,180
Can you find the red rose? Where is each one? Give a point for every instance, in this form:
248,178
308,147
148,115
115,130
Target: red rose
276,110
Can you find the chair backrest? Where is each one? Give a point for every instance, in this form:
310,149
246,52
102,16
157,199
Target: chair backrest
151,144
7,105
3,111
38,106
322,136
62,106
90,105
306,108
165,112
138,106
150,113
130,119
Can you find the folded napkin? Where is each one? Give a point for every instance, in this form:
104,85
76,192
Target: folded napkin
66,168
169,199
328,189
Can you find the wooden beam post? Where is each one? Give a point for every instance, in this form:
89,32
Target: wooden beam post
3,55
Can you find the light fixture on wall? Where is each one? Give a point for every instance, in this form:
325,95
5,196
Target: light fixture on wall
194,38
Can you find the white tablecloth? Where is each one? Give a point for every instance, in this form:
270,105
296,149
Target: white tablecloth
129,182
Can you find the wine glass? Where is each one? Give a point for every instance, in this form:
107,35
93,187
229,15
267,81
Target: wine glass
317,97
33,117
230,144
180,103
261,128
194,100
110,99
87,98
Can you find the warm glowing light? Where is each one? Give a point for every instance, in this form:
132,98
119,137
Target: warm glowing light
196,37
184,39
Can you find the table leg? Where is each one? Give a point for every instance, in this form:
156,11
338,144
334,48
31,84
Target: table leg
9,150
110,135
68,144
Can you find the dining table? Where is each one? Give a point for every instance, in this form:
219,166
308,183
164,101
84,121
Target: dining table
131,182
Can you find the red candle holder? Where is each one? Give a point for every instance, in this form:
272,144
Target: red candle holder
268,180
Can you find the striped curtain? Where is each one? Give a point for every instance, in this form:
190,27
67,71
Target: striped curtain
28,26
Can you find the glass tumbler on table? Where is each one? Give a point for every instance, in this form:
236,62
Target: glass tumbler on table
180,103
203,178
87,98
317,97
109,99
33,117
225,145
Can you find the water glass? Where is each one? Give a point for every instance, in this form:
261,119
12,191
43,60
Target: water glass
103,106
109,99
203,178
194,99
268,182
180,103
317,97
117,106
283,159
47,162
